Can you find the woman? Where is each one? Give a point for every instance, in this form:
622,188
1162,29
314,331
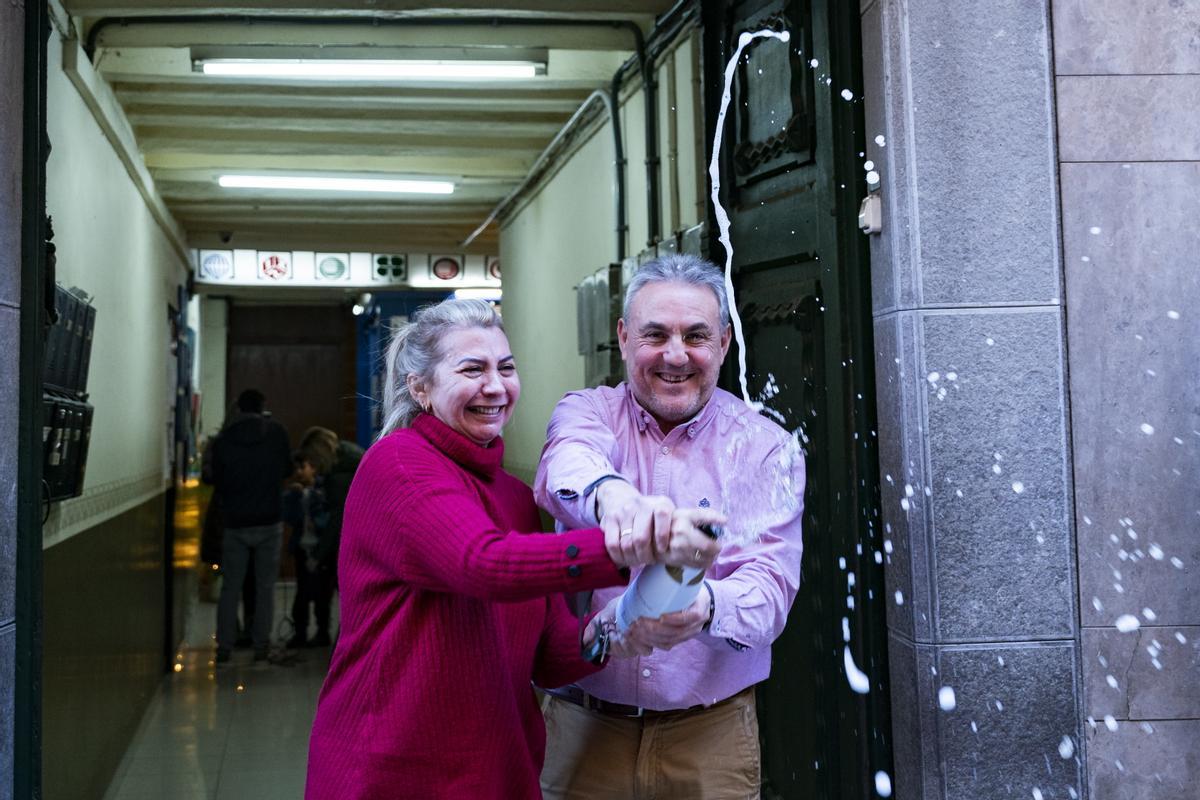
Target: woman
448,612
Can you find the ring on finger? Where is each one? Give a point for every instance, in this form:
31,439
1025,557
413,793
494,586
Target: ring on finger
697,556
625,532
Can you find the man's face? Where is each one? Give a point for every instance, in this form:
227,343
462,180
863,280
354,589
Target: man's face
673,344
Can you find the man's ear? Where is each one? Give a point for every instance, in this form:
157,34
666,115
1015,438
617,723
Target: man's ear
726,338
622,338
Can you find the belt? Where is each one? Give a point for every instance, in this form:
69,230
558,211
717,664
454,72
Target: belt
573,694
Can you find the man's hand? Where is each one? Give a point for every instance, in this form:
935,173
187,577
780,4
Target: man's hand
668,630
689,546
637,527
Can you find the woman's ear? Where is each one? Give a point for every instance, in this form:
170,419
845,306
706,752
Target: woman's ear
416,387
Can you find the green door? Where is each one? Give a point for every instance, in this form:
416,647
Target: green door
792,180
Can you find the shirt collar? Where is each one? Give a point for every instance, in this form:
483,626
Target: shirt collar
484,461
646,421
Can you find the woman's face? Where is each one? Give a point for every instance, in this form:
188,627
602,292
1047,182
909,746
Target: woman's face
475,385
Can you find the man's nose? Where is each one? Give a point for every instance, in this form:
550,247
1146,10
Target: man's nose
675,353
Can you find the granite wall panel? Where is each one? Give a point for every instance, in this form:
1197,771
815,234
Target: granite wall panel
1129,118
1117,37
12,120
1014,723
10,321
8,650
1133,287
996,432
985,180
904,508
883,277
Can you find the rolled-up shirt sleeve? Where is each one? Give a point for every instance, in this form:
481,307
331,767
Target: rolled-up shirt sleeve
580,452
756,583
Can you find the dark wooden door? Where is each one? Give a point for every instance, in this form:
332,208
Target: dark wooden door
301,358
792,180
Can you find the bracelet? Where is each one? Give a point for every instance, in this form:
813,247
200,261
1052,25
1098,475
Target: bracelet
712,607
591,488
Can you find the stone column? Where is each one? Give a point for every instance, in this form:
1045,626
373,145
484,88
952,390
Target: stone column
12,48
1128,81
973,425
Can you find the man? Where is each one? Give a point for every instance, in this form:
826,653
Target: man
675,717
251,458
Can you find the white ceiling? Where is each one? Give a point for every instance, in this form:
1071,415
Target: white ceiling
484,136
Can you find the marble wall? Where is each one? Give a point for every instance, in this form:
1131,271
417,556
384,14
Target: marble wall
1128,82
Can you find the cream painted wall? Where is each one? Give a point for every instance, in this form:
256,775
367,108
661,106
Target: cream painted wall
109,245
564,233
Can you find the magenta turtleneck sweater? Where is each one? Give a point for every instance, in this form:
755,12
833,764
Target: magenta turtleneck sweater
448,610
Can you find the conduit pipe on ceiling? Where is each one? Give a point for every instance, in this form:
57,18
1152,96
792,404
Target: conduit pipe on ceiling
643,59
664,34
541,164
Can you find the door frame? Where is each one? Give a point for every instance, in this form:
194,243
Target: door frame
27,722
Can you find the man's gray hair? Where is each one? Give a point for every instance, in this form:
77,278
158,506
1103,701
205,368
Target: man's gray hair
680,268
415,349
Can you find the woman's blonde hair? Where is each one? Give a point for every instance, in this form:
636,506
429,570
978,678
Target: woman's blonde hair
415,350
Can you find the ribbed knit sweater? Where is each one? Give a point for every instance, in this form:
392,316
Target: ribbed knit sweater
448,611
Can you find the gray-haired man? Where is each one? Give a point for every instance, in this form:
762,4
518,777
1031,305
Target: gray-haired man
673,715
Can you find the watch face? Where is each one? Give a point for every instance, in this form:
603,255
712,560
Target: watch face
445,268
332,268
216,267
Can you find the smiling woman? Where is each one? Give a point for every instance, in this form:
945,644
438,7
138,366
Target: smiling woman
449,606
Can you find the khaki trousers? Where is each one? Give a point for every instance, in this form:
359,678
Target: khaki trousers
705,754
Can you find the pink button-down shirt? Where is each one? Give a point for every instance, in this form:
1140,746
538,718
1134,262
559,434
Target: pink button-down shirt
728,458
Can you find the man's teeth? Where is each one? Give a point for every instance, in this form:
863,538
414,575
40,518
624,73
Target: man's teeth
674,378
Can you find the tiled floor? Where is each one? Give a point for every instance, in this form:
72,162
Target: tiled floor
240,731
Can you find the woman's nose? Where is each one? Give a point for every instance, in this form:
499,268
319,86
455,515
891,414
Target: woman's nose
493,384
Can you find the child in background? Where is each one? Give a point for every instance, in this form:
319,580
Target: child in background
305,513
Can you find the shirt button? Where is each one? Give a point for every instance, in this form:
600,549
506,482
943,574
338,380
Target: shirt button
645,673
666,450
574,570
572,551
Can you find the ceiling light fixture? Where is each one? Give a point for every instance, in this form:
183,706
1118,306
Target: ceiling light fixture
326,184
368,69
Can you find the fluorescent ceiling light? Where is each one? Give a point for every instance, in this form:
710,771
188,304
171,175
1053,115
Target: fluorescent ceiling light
477,294
305,183
360,69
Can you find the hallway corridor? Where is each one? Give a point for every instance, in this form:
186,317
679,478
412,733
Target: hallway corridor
240,731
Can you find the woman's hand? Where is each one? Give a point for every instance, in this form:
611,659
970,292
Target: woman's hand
690,546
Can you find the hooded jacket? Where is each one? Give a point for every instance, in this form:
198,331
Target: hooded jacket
251,457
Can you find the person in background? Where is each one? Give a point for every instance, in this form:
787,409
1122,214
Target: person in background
303,516
675,717
450,607
334,462
250,459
